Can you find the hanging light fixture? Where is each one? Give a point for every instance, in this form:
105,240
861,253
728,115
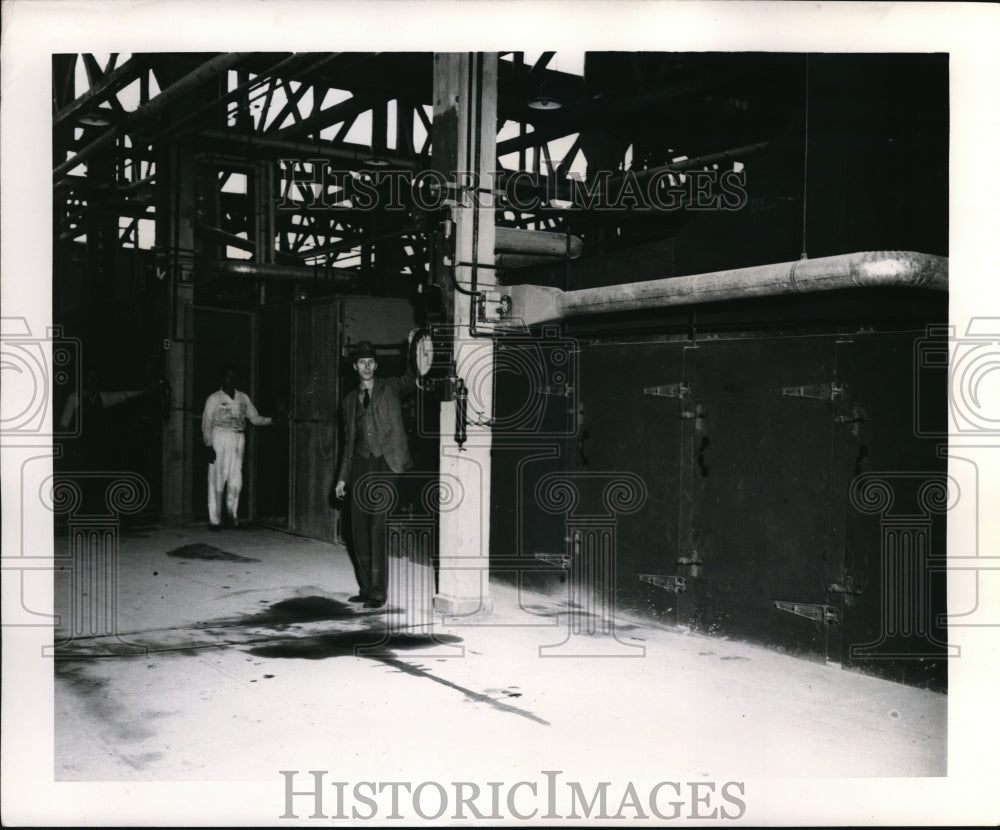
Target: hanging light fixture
543,102
95,118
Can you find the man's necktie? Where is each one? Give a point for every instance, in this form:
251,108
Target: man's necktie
367,399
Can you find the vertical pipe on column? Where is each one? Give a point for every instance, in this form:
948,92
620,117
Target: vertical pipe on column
464,147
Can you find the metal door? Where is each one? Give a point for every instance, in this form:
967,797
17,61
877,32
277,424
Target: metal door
895,515
762,528
634,412
535,418
314,378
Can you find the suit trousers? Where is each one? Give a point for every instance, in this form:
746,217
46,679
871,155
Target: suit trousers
368,530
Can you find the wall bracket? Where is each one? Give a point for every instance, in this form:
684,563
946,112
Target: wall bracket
820,613
674,584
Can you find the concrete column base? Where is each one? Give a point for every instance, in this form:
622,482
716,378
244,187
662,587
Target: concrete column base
448,606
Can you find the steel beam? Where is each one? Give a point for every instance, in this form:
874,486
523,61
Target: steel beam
324,118
599,110
110,84
201,75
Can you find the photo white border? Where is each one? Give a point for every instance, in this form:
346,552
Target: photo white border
34,29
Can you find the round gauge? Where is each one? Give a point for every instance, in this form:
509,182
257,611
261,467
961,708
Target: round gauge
422,352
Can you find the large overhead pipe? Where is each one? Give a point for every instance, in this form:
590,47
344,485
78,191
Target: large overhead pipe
537,243
222,237
194,79
286,273
687,164
538,304
305,149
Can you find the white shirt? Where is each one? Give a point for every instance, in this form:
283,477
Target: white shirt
223,412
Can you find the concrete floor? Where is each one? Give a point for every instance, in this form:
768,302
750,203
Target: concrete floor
251,668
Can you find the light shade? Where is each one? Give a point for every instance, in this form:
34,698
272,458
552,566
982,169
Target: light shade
94,119
544,102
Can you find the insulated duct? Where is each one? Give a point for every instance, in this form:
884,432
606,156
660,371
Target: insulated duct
535,304
255,142
520,248
537,243
340,277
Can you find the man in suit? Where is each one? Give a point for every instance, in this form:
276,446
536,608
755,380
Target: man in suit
376,443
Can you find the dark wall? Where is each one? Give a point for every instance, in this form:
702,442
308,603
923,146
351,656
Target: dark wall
753,477
875,176
112,307
753,521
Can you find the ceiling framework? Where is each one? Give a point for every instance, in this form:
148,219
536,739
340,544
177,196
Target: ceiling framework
323,160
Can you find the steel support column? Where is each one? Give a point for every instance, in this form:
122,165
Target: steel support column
464,147
175,236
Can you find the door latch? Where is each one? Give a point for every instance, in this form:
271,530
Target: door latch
857,416
846,588
693,562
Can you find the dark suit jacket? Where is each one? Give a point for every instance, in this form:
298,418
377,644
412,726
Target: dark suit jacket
387,396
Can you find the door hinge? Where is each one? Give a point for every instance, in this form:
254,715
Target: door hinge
821,613
819,391
676,584
682,392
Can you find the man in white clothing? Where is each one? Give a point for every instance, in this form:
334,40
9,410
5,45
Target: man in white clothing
223,424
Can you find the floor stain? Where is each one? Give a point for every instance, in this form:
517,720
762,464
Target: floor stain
375,643
364,642
142,761
96,697
478,697
371,641
300,610
200,550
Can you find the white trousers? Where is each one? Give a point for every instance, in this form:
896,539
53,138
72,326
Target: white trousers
225,474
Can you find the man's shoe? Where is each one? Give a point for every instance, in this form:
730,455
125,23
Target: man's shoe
358,598
214,527
374,603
